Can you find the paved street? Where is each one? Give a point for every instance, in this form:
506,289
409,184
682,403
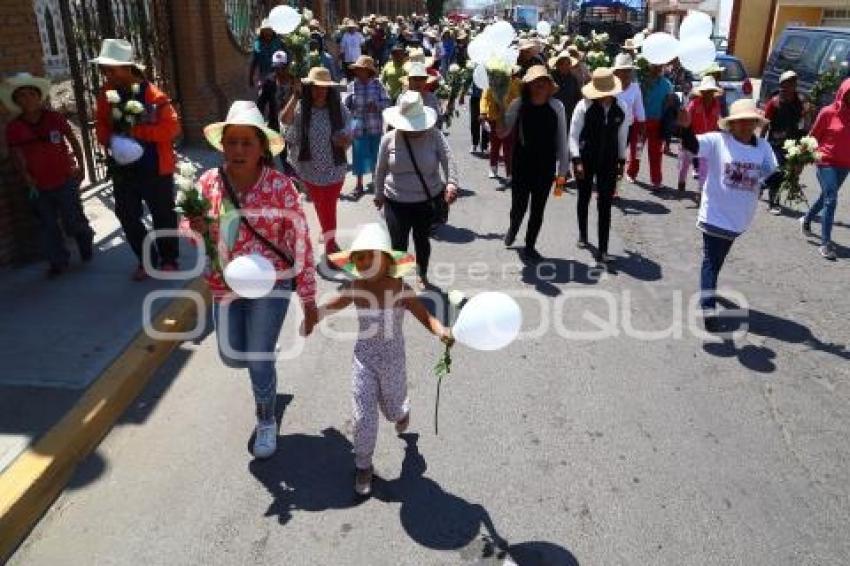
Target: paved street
648,444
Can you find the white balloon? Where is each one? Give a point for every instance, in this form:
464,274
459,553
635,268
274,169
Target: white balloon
697,53
125,150
479,50
500,34
489,321
479,77
696,24
509,55
250,276
284,19
660,48
544,28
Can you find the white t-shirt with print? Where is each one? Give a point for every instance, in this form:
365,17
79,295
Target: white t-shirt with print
733,182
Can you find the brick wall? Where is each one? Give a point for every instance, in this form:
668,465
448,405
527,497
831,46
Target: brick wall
20,50
212,71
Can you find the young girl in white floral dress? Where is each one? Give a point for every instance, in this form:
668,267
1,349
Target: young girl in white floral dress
379,376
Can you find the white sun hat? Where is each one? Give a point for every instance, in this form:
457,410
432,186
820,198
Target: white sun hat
243,113
743,109
624,62
375,237
708,83
410,114
116,53
21,80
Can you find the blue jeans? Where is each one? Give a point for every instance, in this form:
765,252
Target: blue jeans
62,204
246,332
830,179
715,250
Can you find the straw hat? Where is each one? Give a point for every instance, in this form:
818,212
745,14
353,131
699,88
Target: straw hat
21,80
553,62
410,114
374,237
708,84
243,113
624,62
603,83
538,72
629,45
743,109
116,53
526,44
365,62
787,76
713,68
417,55
319,76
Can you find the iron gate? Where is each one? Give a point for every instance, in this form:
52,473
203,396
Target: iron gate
147,24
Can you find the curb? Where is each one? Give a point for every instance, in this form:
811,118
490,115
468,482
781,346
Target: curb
30,484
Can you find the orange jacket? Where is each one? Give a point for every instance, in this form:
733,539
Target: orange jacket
162,131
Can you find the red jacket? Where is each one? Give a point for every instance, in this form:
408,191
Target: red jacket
162,132
832,130
704,120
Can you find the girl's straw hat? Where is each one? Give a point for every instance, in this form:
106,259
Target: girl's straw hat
743,109
374,237
708,84
410,114
116,53
603,83
365,62
319,76
243,113
22,80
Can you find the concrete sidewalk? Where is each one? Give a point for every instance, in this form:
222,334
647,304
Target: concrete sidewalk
58,336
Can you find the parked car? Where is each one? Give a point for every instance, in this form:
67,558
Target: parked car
809,51
734,80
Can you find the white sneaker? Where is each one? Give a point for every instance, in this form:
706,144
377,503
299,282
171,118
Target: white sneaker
492,174
265,442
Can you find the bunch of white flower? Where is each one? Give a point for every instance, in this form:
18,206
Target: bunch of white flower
112,97
134,107
809,143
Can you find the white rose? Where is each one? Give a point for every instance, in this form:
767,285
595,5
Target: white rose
134,107
183,183
789,144
308,14
113,97
454,68
188,170
794,151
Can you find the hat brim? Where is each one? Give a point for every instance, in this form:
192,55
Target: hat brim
553,62
403,263
329,84
8,91
624,68
372,70
715,89
724,123
110,62
214,132
591,93
425,121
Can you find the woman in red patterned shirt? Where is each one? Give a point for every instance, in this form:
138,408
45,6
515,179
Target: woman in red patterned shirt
247,329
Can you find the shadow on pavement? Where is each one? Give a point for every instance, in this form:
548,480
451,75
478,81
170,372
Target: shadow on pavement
636,265
633,207
308,473
760,358
546,275
437,519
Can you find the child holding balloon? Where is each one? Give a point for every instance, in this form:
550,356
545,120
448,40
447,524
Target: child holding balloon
379,376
